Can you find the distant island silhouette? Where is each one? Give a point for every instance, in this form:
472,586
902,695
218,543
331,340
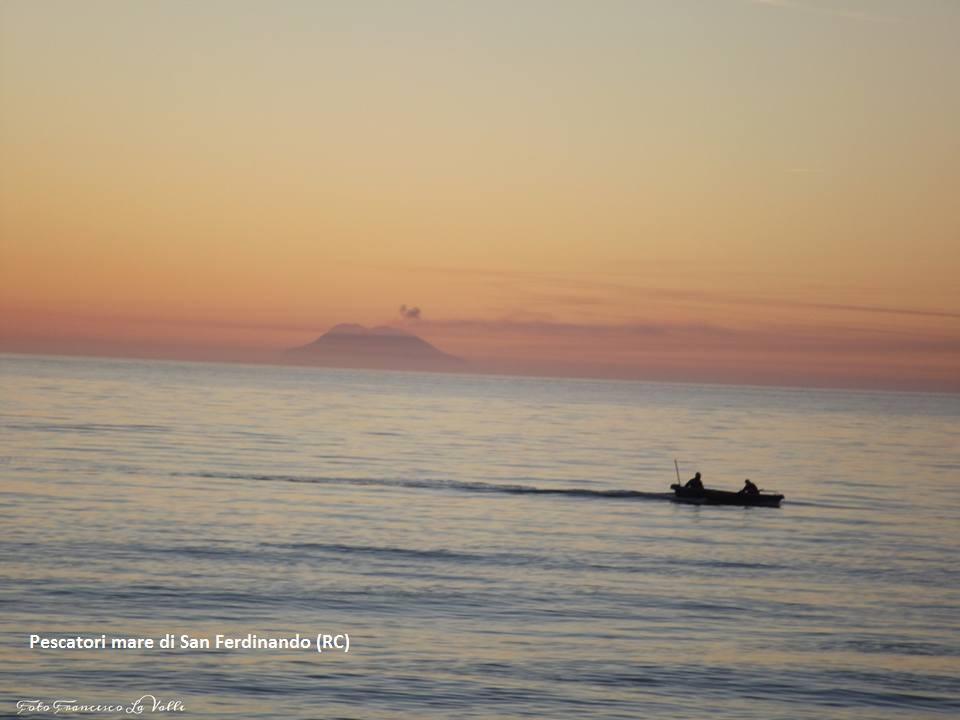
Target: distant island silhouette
381,348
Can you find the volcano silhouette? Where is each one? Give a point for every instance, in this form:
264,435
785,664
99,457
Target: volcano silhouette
383,348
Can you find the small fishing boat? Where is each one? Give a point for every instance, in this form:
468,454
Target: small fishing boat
706,496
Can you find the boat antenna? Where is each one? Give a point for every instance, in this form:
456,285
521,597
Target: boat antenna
677,468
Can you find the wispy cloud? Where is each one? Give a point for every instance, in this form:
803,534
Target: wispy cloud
559,290
781,338
884,310
779,353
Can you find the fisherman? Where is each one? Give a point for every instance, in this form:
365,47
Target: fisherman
749,488
694,483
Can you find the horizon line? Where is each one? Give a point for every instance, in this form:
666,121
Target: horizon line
485,372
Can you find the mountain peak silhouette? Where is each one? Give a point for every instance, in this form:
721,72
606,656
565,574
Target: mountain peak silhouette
351,345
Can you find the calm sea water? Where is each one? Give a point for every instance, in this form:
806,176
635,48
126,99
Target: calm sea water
405,509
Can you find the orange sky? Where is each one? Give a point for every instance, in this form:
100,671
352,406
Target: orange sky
732,190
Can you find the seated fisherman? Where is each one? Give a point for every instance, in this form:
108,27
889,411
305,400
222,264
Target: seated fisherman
694,483
749,488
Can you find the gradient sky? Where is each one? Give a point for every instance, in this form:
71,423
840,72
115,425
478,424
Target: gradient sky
722,190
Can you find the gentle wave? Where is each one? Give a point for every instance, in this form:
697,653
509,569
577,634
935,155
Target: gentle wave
473,487
84,428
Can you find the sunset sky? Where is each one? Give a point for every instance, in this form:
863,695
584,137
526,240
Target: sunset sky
715,190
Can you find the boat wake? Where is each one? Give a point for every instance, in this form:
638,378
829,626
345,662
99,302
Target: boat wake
442,485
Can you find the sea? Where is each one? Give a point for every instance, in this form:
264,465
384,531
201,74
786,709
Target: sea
491,547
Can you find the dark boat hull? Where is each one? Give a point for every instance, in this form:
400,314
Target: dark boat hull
723,497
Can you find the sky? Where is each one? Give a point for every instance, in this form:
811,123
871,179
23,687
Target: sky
756,191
